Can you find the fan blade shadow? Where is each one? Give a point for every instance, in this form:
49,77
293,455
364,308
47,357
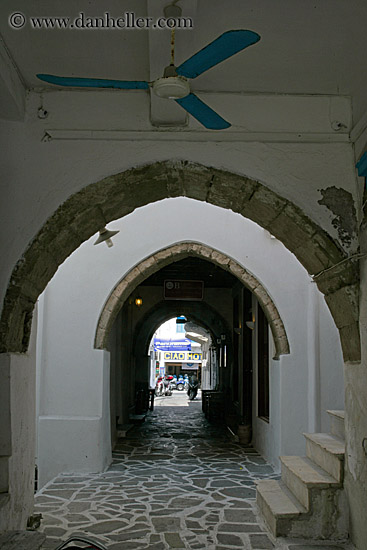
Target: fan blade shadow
223,47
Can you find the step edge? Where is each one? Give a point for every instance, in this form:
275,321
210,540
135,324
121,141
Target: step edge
336,412
321,483
298,508
337,453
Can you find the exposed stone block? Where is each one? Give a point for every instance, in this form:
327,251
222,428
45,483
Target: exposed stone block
292,232
88,222
230,191
196,181
15,331
162,255
344,274
220,259
350,341
344,305
309,257
331,250
57,238
119,289
262,296
103,321
147,267
263,207
114,210
204,252
238,271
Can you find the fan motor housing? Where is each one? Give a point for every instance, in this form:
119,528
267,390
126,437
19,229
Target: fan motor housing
171,87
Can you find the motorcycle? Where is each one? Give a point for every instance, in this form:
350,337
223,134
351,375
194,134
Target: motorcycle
193,388
159,387
167,385
180,384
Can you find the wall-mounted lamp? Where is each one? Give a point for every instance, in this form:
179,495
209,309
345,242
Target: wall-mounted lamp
250,324
138,301
105,236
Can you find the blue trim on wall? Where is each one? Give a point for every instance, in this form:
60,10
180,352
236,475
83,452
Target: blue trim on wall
362,166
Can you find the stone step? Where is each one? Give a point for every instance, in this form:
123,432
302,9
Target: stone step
337,423
327,451
301,475
278,506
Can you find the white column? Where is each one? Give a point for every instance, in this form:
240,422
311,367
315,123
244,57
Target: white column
313,359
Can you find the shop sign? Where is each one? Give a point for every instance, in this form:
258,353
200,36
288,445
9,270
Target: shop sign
190,366
172,345
183,290
185,356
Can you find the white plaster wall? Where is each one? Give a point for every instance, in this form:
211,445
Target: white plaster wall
21,464
74,374
37,176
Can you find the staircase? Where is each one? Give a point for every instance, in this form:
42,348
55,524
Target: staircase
309,500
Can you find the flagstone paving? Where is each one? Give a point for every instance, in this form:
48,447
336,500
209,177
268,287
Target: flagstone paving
176,481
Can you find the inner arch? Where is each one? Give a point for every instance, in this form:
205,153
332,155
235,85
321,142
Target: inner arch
162,258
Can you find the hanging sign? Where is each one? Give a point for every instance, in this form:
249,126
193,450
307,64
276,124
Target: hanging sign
183,290
190,366
172,345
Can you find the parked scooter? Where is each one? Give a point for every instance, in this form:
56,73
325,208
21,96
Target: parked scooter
167,385
159,387
180,384
193,387
174,382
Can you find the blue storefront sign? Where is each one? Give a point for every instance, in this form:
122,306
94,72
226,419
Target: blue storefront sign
172,345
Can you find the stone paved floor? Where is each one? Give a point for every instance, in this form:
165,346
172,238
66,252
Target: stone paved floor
176,481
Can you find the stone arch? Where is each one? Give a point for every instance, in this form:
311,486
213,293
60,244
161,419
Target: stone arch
176,252
85,212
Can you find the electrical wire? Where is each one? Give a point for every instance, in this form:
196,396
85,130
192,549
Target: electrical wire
353,257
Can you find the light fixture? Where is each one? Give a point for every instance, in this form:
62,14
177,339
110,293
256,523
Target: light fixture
138,301
105,236
250,324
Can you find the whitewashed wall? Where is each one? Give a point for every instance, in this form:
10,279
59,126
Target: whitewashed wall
38,176
73,376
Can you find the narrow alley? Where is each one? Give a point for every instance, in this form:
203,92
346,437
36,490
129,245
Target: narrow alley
176,481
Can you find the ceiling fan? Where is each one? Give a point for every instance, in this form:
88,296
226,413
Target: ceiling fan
174,83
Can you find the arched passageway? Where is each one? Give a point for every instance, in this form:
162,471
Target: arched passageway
172,254
114,197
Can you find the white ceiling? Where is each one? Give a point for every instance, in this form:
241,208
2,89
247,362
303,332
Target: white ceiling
306,47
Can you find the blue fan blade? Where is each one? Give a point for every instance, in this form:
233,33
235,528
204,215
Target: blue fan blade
94,82
204,114
226,45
